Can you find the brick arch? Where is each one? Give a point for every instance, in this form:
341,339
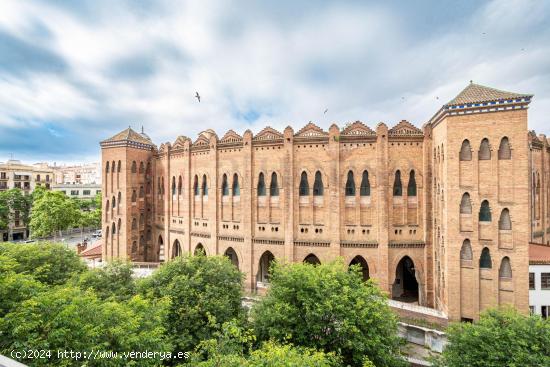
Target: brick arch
311,258
419,271
238,261
369,259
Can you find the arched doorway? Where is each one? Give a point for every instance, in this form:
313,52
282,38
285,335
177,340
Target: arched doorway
264,267
176,249
232,255
312,259
405,286
199,250
359,260
160,249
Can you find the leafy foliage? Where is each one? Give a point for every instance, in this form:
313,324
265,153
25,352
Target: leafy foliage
328,308
11,202
500,338
52,212
114,280
67,318
49,263
203,293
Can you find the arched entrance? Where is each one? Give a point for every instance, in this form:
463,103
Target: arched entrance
232,255
312,259
264,267
199,250
405,286
176,249
160,249
359,260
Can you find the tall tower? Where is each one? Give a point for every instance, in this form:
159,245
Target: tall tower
480,202
126,189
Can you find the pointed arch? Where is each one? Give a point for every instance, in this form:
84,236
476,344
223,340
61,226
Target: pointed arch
173,185
176,249
199,250
141,192
405,286
485,259
180,184
505,270
465,204
196,186
107,167
260,189
134,196
504,151
264,267
504,222
274,185
466,251
134,223
236,190
225,185
141,167
484,150
232,255
318,184
350,184
485,212
204,186
365,184
397,185
134,167
362,263
304,185
312,259
119,167
411,187
465,151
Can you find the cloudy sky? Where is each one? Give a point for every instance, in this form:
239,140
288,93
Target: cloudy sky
75,72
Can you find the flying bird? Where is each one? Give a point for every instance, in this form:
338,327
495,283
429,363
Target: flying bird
197,96
326,111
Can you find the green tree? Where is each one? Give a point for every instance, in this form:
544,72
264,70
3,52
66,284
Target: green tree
331,309
114,280
14,202
500,338
203,293
67,318
52,212
49,263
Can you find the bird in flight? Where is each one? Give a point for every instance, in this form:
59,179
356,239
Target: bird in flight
326,110
197,96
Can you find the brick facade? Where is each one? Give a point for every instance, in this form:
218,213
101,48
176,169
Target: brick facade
389,199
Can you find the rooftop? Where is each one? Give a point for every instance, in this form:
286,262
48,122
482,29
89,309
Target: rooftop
539,254
475,93
130,135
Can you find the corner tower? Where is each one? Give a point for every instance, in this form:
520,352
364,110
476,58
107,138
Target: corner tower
480,202
126,190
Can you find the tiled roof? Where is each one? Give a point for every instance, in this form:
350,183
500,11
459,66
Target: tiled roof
475,93
539,254
130,135
92,252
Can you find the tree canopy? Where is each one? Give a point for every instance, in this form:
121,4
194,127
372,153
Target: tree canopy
331,309
14,202
53,211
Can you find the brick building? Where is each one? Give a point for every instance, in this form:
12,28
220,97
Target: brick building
438,216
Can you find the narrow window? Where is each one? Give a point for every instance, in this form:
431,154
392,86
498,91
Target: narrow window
466,250
350,185
485,212
141,167
505,270
107,167
504,151
485,259
236,187
134,223
196,186
274,186
504,222
465,151
173,185
134,196
134,167
204,186
484,150
531,281
119,168
365,184
318,184
141,192
261,185
397,186
180,185
225,186
411,188
304,185
465,204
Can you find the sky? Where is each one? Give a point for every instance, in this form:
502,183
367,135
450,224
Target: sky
73,73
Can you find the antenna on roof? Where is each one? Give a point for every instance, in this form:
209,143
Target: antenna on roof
142,129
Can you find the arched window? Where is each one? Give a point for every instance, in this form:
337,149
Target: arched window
134,223
505,270
397,186
159,188
318,184
504,222
134,167
365,184
466,250
312,259
119,198
236,187
485,212
162,185
465,151
484,150
113,202
38,178
485,259
173,185
141,219
141,192
274,186
261,185
134,196
47,178
304,185
107,206
180,185
107,167
225,186
148,169
113,228
196,186
465,204
504,151
119,167
350,185
141,167
204,186
411,187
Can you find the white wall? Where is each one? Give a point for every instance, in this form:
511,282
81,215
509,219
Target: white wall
539,297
